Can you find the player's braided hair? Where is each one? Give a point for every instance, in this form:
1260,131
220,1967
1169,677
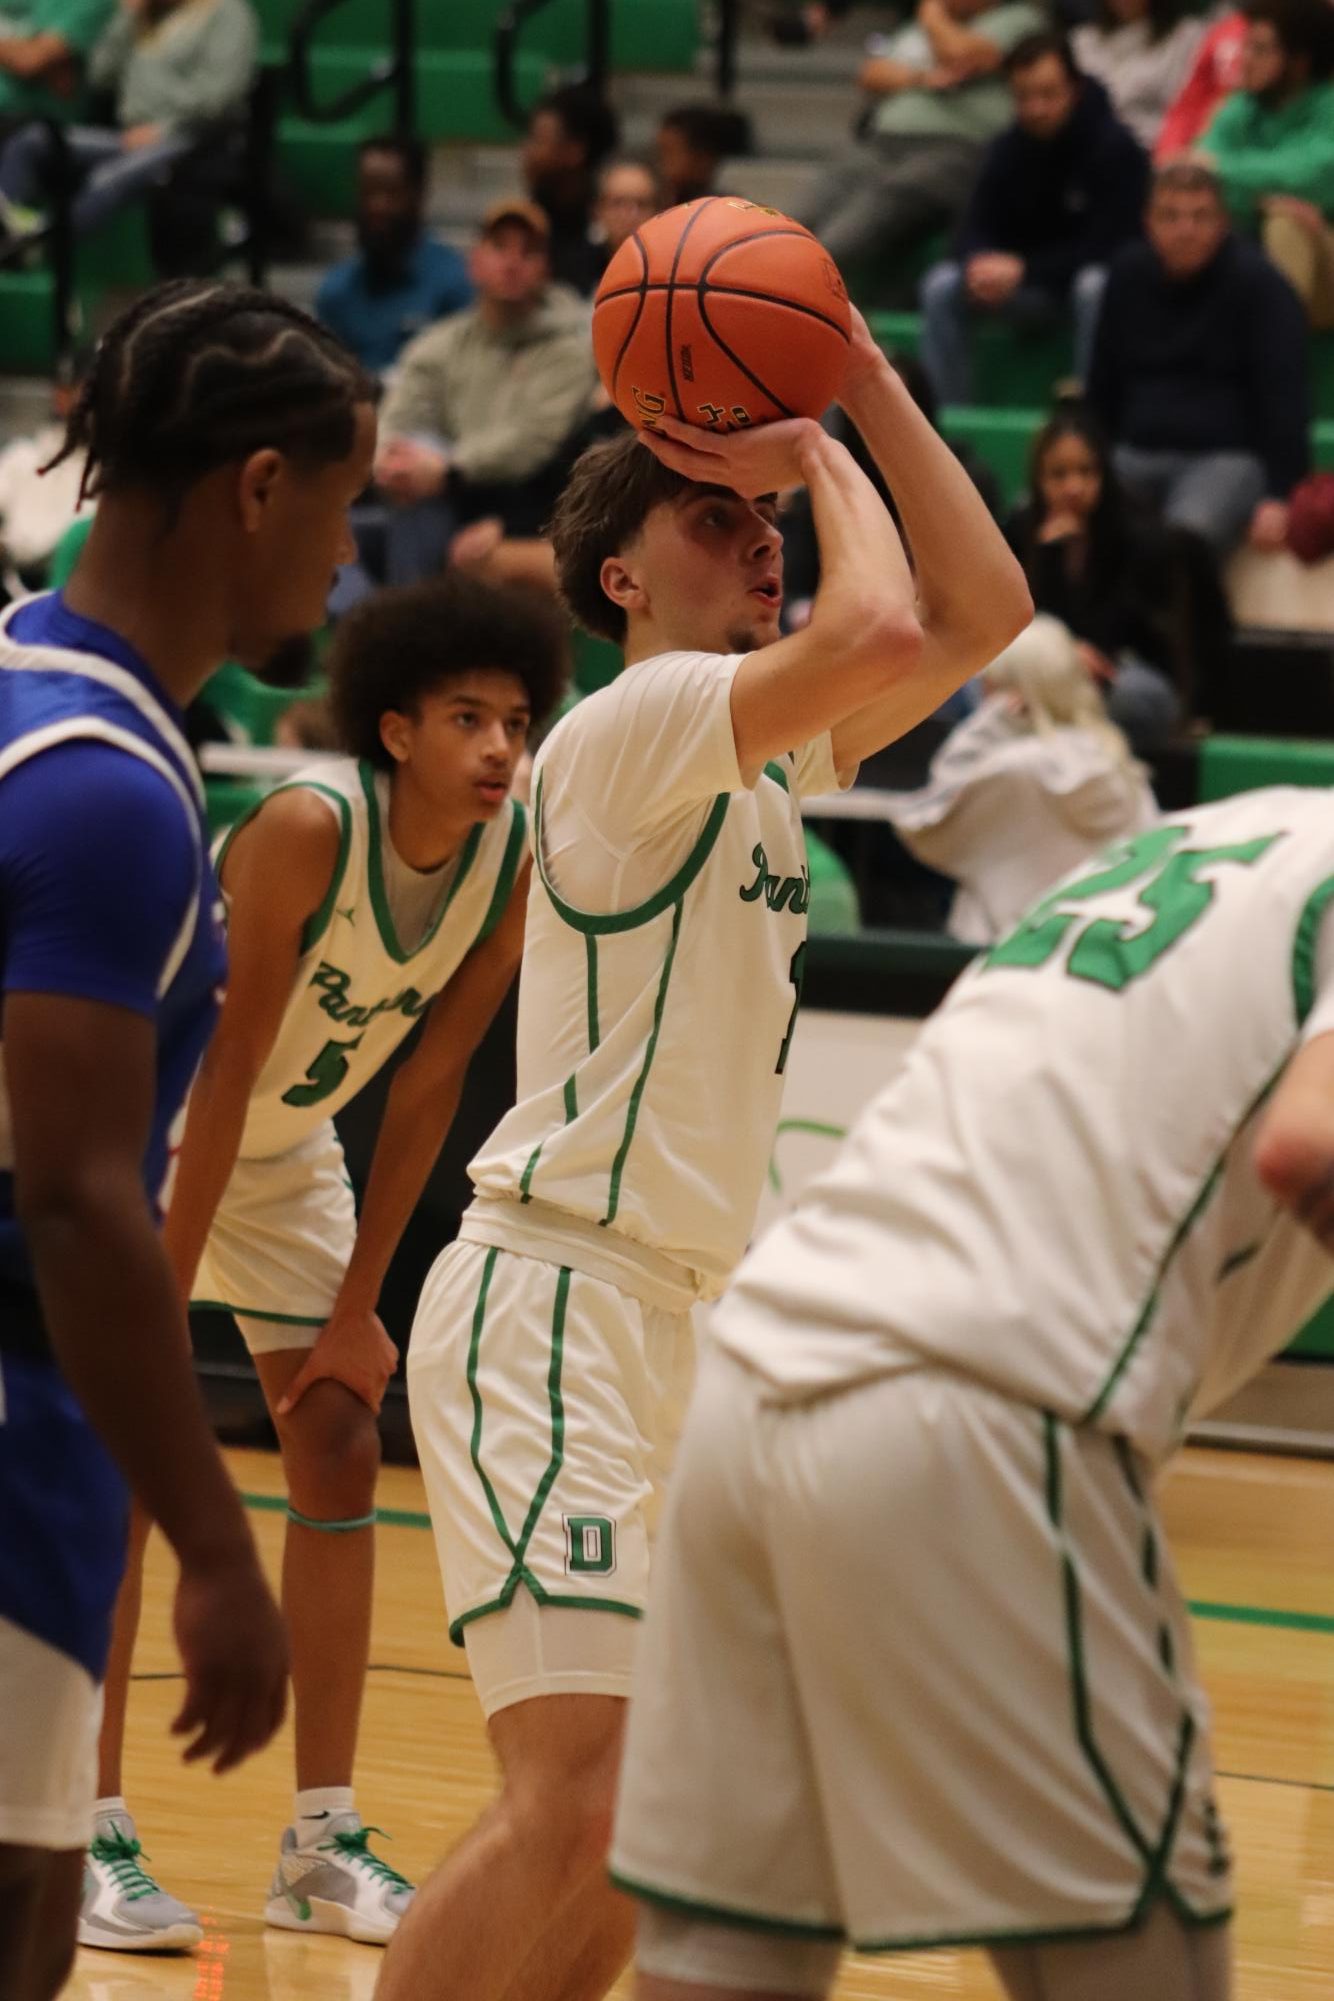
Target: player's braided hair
194,375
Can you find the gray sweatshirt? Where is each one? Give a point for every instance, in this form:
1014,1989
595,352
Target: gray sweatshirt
503,402
194,65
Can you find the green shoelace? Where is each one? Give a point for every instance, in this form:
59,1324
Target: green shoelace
121,1856
354,1844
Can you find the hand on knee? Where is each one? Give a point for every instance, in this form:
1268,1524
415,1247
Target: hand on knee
331,1454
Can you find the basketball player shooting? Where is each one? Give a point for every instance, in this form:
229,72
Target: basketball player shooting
662,967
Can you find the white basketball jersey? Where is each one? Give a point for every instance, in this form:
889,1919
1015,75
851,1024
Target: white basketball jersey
1057,1195
654,1023
357,990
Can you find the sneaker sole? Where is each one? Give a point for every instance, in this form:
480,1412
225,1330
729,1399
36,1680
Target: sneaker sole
176,1938
326,1916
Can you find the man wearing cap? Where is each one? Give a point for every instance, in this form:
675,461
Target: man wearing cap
482,404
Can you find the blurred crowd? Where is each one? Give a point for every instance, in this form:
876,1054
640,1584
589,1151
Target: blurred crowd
1154,182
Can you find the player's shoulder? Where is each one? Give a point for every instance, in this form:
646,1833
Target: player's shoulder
110,791
644,688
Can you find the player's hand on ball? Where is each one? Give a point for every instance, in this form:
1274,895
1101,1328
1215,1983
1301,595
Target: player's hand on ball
354,1350
766,458
233,1648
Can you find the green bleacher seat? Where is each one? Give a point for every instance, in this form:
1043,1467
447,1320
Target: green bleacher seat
1011,368
1002,437
1231,764
645,34
1323,445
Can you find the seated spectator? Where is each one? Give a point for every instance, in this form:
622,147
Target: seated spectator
1199,370
629,194
939,97
1215,71
481,405
1142,51
36,507
1030,786
570,133
1103,570
1058,193
401,280
1272,144
44,45
693,141
177,68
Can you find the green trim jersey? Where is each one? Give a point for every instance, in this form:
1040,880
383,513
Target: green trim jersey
358,991
1057,1196
661,976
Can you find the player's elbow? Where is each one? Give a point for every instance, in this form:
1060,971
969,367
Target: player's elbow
886,645
1292,1161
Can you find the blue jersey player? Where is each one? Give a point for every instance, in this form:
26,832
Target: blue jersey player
226,436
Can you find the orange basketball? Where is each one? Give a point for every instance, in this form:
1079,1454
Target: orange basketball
721,313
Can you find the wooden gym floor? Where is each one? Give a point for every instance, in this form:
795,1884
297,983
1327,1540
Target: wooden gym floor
1254,1540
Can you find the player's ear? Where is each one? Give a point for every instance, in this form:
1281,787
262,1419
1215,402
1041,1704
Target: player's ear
396,735
620,584
256,483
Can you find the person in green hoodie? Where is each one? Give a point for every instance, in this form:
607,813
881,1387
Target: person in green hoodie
1271,144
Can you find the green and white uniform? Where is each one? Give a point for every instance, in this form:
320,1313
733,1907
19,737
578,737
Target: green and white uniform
283,1233
661,975
917,1669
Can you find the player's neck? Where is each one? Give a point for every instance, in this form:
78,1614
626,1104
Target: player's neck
150,589
421,837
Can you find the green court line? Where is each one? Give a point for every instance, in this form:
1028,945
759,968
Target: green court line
1200,1608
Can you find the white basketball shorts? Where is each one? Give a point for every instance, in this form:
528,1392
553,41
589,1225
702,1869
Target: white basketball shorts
50,1715
280,1244
915,1672
546,1405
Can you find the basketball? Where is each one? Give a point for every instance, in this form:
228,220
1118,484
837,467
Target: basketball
721,313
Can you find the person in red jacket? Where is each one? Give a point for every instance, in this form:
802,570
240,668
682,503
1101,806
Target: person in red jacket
1215,71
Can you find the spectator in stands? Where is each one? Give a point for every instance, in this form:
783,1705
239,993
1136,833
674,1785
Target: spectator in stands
481,405
1215,71
1058,193
570,133
939,96
1272,144
693,141
1103,568
1028,787
1199,369
629,192
43,47
178,69
401,280
37,508
1142,51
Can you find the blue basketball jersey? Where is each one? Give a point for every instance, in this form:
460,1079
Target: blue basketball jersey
106,894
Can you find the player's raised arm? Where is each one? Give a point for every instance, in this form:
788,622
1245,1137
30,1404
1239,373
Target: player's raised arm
419,1111
863,637
276,876
971,595
1294,1147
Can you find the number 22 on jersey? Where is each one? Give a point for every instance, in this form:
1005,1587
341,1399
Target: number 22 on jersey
1112,952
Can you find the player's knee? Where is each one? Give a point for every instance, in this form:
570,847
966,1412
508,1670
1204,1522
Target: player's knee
568,1807
331,1452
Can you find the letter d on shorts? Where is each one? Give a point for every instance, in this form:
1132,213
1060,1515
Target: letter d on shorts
590,1546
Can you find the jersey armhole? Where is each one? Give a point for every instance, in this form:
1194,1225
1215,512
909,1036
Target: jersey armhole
318,922
509,868
607,924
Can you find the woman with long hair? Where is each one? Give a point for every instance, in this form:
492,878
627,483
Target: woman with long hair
1101,567
1032,784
